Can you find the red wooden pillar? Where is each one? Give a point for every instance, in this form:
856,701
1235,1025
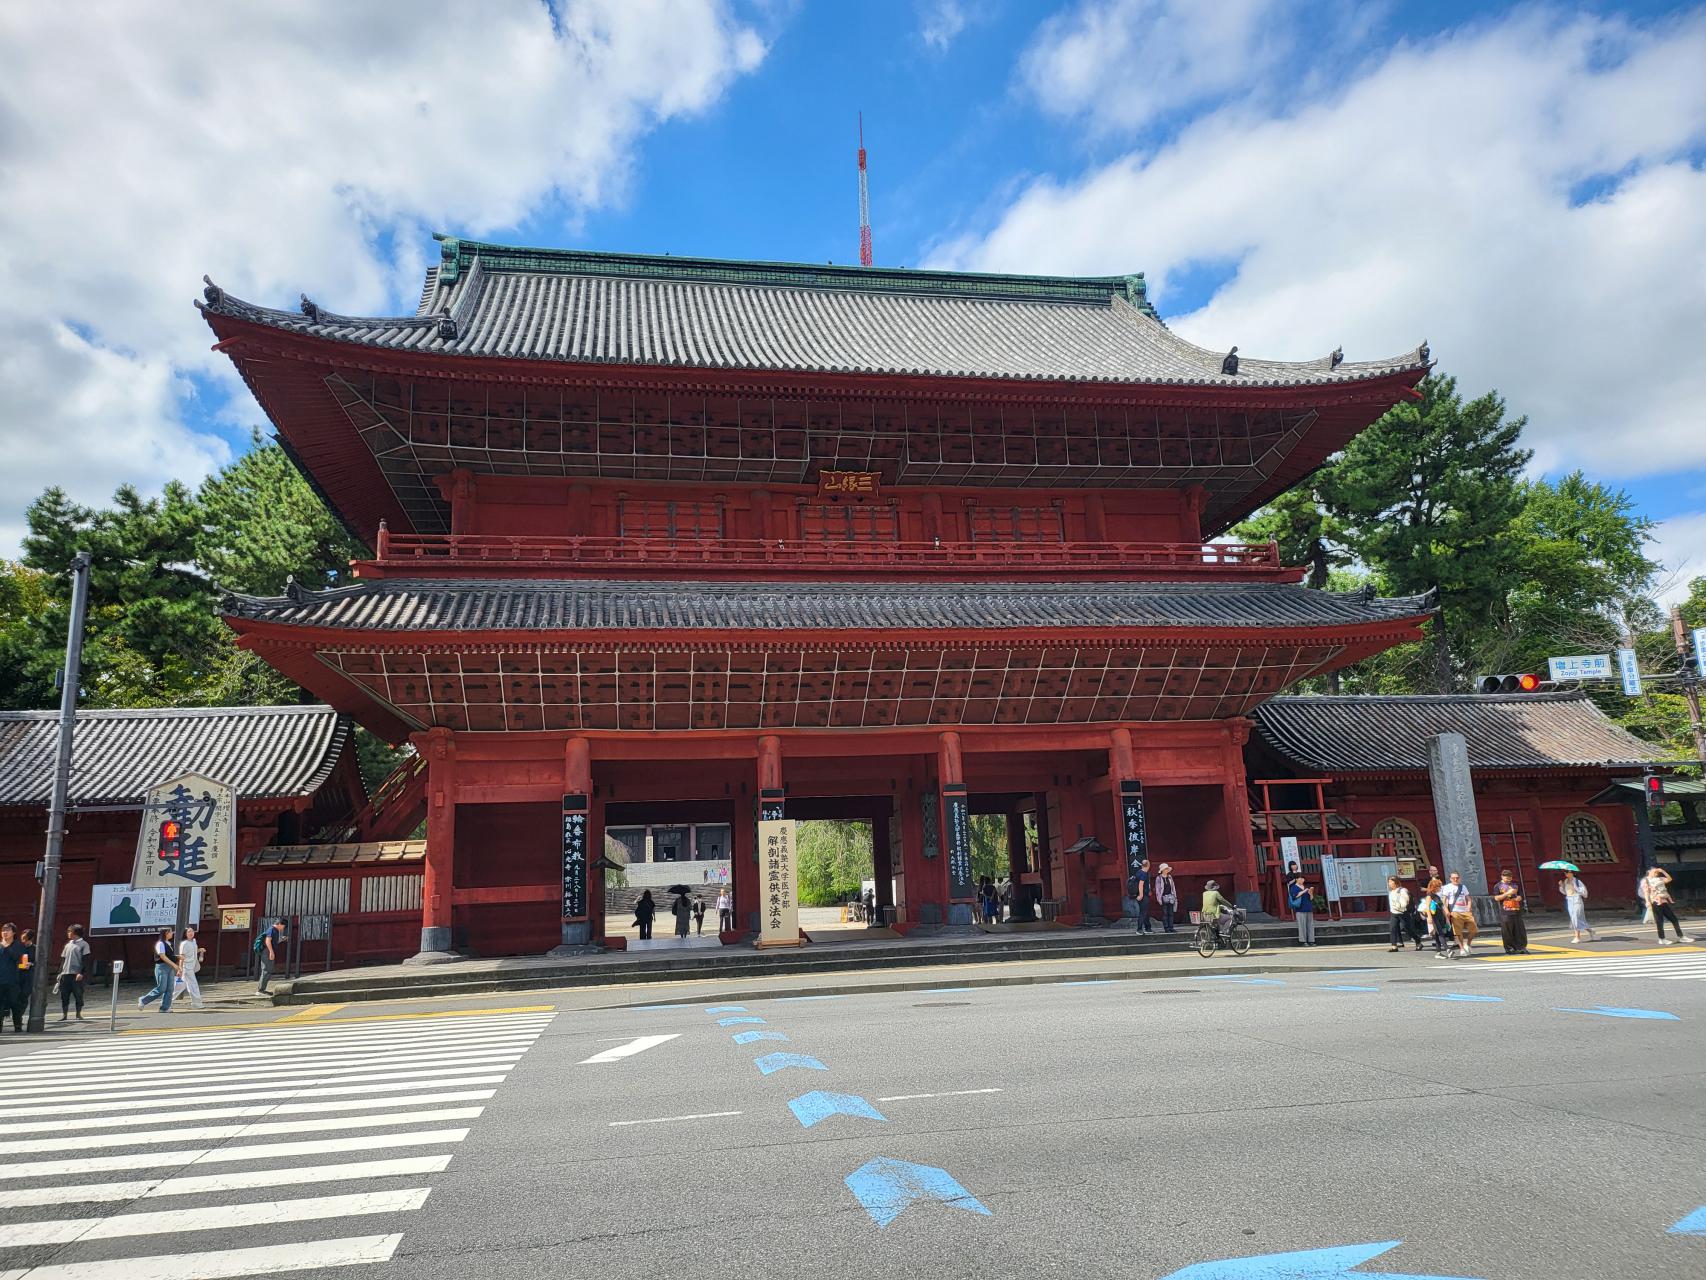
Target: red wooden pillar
439,748
1077,820
579,918
743,862
1235,809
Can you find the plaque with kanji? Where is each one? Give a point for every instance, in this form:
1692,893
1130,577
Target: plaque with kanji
188,836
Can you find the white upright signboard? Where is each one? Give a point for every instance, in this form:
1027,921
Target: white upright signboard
116,910
1700,650
778,885
1630,670
188,836
1590,666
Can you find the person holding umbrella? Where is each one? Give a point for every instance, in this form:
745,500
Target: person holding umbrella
682,910
1575,898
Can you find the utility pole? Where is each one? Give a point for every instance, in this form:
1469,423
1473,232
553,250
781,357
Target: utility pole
72,676
1690,682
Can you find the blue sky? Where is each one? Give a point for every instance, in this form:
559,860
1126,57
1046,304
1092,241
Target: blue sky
1525,186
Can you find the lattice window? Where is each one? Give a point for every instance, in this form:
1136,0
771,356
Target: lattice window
849,522
1015,524
325,896
1406,840
1586,840
656,518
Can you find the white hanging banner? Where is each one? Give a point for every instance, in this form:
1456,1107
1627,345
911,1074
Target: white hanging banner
778,884
188,837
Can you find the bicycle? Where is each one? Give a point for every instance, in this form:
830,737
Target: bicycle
1208,938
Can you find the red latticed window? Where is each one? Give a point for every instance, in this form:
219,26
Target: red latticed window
1406,839
1586,840
657,518
1015,524
849,522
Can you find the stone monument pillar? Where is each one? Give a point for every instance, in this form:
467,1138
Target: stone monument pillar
1454,814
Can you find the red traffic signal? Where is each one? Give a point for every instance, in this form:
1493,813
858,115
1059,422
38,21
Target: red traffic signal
170,831
1655,790
1519,682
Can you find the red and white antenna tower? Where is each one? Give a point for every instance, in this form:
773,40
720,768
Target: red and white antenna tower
864,201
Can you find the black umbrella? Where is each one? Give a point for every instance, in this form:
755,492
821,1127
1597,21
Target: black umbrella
682,889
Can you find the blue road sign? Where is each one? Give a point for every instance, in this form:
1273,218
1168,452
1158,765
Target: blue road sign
1307,1264
886,1186
1591,666
1693,1225
747,1037
1612,1011
733,1022
809,1108
771,1062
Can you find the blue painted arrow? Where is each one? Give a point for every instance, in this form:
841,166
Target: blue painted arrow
747,1037
1693,1225
735,1022
1307,1264
1460,995
886,1186
781,1061
726,1008
809,1108
1612,1011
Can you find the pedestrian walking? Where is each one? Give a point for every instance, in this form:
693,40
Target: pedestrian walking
1166,893
683,913
271,951
990,897
189,965
14,978
1655,888
166,970
1433,915
1301,898
1139,885
725,911
698,918
1398,908
1575,895
1460,911
1513,930
73,972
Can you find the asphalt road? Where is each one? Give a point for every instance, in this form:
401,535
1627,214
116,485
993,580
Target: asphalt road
1119,1129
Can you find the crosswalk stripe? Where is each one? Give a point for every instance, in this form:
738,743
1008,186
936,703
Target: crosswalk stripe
292,1069
225,1113
129,1102
18,1170
639,1045
261,1213
203,1133
368,1069
223,1264
210,1184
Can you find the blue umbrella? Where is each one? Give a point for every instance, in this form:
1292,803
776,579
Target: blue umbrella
1559,864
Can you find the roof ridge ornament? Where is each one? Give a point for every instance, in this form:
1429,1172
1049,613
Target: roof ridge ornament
310,308
1137,293
449,258
1230,364
1337,358
213,293
293,589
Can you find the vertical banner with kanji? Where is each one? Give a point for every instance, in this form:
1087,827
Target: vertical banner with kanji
956,820
778,883
574,858
1134,825
188,836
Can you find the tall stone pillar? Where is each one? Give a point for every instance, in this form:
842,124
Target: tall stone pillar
1455,816
955,828
437,889
578,851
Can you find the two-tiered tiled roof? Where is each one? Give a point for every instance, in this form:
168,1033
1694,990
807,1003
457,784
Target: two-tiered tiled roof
1379,734
262,752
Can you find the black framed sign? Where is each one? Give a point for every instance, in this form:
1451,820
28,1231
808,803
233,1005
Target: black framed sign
574,857
1134,825
956,816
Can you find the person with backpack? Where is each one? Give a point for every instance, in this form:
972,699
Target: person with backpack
14,978
166,970
189,965
1513,931
73,972
1655,889
1301,899
1460,909
269,950
1166,892
1575,895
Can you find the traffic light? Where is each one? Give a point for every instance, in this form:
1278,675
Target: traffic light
171,840
1655,791
1522,682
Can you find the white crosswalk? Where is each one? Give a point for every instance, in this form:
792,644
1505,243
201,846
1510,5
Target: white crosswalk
1681,965
225,1116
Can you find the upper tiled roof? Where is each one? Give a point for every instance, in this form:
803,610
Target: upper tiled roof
263,752
1389,734
632,309
412,604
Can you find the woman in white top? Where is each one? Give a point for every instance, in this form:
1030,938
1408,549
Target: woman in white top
1656,890
1575,902
189,960
725,911
1398,907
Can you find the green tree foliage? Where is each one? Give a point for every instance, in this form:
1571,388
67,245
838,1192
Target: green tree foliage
834,856
1426,498
26,682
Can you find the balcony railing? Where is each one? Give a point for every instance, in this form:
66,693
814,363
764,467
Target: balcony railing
540,556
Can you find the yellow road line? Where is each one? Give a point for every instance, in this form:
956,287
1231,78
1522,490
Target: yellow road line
312,1013
274,1023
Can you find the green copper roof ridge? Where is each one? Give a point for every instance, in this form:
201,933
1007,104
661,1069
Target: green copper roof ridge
456,252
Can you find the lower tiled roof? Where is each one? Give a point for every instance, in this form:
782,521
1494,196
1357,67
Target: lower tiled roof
263,752
1389,734
412,604
371,853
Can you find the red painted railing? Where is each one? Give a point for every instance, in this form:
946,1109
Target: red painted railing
426,553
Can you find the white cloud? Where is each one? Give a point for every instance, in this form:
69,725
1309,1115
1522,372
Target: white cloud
1679,544
1125,63
1431,197
940,23
277,148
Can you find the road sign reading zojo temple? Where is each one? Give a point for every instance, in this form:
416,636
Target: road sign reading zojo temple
910,548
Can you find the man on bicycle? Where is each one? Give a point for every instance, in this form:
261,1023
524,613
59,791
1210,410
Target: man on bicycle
1219,911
